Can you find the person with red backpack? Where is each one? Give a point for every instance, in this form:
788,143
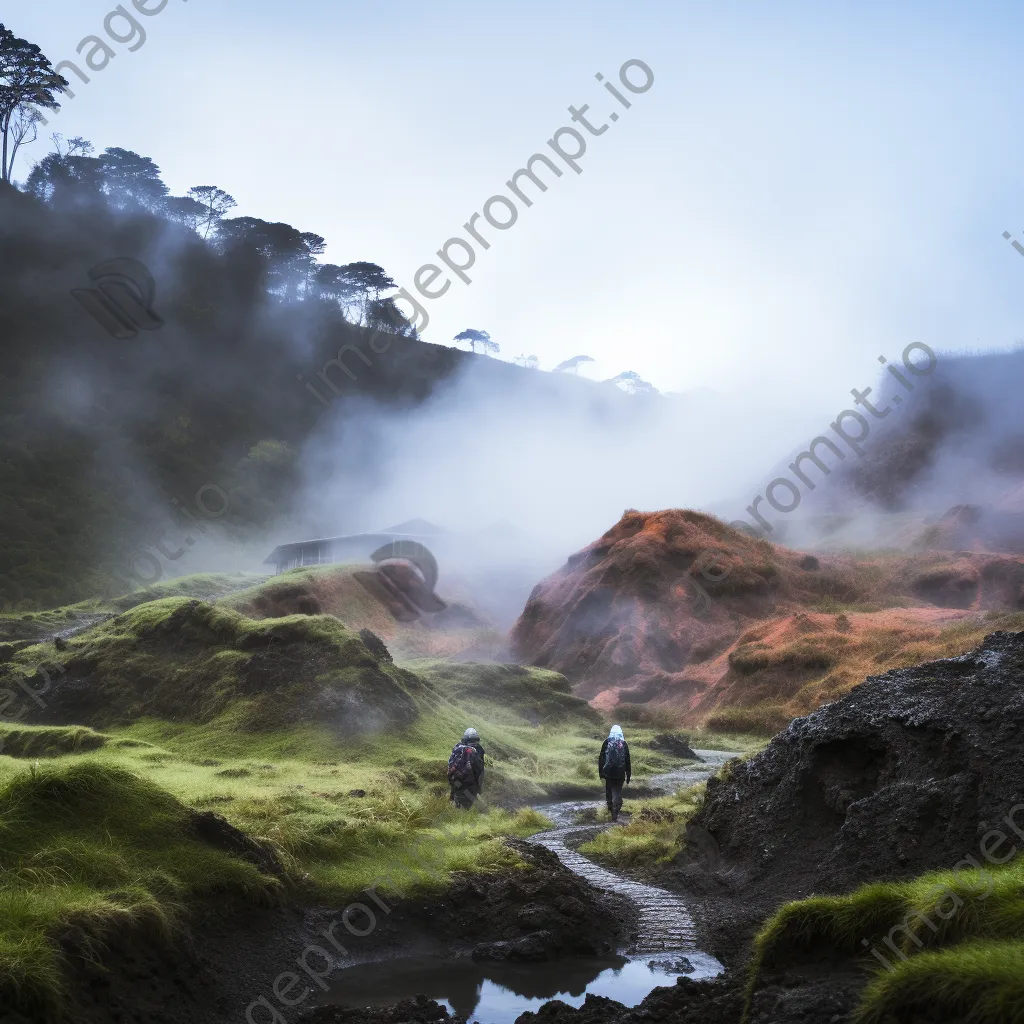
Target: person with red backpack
613,766
466,770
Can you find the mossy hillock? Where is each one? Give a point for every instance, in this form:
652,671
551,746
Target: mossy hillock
523,694
946,945
185,660
206,586
48,740
461,630
89,849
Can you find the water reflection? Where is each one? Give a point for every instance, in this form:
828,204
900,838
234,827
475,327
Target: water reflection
498,993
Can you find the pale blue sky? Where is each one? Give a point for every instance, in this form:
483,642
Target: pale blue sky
804,187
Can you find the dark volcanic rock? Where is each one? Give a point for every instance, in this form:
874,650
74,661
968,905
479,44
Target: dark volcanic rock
533,948
410,1011
686,1002
675,744
905,774
375,645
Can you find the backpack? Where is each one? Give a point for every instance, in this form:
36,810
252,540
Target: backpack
615,757
461,766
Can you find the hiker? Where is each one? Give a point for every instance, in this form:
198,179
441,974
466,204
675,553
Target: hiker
613,766
466,769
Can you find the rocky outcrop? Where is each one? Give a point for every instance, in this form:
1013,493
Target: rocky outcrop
679,610
910,772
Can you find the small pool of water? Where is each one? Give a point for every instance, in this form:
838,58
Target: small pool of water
499,993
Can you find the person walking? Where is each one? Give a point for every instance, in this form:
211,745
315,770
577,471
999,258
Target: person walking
613,766
466,770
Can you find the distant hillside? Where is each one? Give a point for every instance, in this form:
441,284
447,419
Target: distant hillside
956,439
764,633
99,435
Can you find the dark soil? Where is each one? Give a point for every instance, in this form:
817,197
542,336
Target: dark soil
230,959
903,775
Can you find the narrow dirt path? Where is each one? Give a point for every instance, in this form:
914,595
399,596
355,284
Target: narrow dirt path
665,923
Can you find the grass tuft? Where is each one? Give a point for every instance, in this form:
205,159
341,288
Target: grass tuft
952,941
87,848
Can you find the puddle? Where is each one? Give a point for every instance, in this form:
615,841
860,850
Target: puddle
490,993
499,993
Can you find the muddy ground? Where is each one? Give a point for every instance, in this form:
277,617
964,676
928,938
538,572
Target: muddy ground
229,960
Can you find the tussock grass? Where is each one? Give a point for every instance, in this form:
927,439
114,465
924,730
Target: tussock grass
115,853
954,941
206,586
783,675
184,659
47,740
513,694
93,848
761,720
979,982
299,736
656,833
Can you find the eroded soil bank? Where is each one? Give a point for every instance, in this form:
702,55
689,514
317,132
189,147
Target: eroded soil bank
229,965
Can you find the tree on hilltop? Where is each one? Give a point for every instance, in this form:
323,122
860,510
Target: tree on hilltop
185,210
332,282
482,338
281,246
69,171
384,315
367,281
574,364
131,180
633,383
530,362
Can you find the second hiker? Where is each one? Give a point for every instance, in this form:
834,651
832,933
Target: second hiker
613,766
466,769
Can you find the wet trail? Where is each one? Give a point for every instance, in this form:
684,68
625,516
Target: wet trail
497,993
665,923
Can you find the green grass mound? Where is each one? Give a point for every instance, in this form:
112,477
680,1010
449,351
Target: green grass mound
336,590
513,692
206,586
186,660
981,982
947,945
85,849
656,833
47,740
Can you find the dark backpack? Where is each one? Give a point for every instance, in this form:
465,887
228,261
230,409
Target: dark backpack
615,757
461,766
